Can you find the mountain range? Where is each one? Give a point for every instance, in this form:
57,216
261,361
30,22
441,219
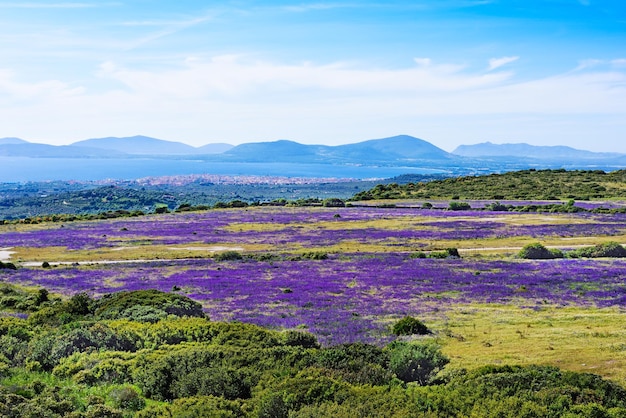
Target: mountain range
400,151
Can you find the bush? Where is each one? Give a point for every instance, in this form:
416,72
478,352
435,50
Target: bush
537,251
410,326
127,398
459,206
447,253
416,362
8,266
228,256
146,305
608,249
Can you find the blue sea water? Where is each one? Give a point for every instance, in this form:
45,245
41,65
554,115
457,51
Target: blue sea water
22,169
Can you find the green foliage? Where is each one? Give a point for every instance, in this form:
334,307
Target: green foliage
333,203
123,368
48,349
229,255
300,339
293,393
459,206
410,326
148,305
416,362
607,249
196,407
447,253
537,251
126,397
518,185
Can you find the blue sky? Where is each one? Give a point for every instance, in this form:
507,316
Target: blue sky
452,72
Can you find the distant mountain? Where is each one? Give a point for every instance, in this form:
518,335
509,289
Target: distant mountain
216,148
398,149
12,141
27,149
522,150
142,145
281,150
401,147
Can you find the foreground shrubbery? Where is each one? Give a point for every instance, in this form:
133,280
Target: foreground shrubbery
103,358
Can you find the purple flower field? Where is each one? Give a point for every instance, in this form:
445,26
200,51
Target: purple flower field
299,225
349,296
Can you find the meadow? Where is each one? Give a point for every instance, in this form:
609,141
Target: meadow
347,274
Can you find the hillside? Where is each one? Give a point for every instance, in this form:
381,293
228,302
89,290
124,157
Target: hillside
522,150
520,185
10,141
400,149
142,145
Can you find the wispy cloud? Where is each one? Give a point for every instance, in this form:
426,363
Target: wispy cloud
168,28
499,62
41,90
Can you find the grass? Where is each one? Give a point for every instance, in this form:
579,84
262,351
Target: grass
573,338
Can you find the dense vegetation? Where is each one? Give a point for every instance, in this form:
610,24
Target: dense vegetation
153,354
28,200
521,185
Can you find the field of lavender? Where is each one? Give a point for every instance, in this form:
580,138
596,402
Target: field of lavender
347,274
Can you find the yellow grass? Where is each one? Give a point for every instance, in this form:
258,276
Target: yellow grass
579,339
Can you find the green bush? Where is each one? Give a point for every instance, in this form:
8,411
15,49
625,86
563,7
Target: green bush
607,249
459,206
149,305
228,256
127,397
537,251
410,326
416,362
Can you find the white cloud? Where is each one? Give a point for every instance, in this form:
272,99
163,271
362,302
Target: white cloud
12,90
499,62
233,97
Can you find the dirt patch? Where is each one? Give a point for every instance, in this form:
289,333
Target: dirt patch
5,254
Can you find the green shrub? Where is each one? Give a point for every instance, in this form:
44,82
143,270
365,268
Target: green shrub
416,362
447,253
459,206
537,251
608,249
300,339
410,326
228,256
149,305
127,397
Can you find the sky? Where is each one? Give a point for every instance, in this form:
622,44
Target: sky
451,72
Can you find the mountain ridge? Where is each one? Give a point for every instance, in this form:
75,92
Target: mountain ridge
543,152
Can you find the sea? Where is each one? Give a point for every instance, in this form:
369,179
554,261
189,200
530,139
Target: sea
24,169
